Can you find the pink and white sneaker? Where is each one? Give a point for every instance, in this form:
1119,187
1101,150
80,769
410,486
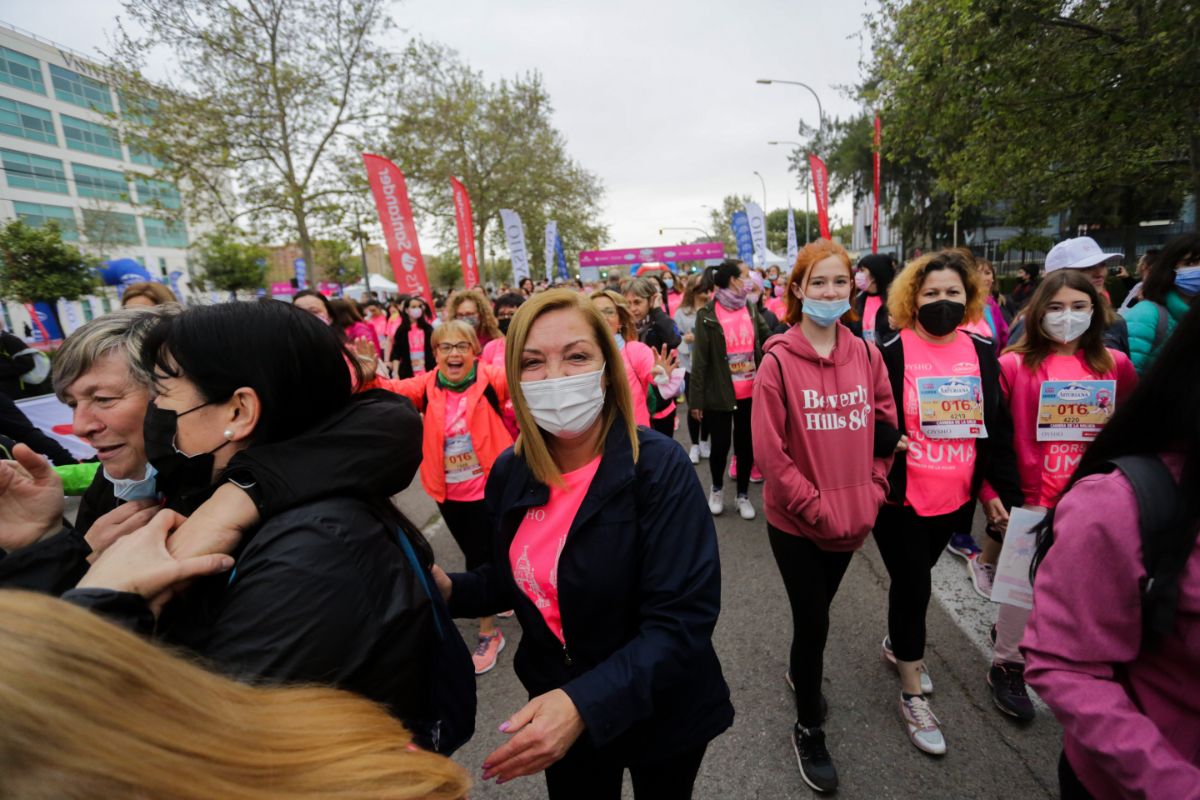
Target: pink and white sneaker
486,651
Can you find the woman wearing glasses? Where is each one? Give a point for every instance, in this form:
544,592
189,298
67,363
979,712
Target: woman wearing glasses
464,434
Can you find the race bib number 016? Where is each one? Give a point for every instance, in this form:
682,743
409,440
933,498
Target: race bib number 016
1074,411
951,408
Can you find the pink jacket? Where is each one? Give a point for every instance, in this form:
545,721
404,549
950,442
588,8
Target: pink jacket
1131,720
813,421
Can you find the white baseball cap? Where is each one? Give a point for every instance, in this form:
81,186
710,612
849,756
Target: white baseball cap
1078,253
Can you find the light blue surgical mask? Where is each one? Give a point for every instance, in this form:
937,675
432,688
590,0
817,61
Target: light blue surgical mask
670,282
1187,280
620,341
825,312
130,489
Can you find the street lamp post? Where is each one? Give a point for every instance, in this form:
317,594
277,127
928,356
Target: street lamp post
806,193
764,188
362,249
820,112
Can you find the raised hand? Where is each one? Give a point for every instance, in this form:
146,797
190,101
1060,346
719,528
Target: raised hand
31,499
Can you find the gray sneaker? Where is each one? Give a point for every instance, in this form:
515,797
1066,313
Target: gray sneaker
890,657
982,576
923,727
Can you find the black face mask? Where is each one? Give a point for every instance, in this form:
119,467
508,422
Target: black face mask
941,317
503,323
185,480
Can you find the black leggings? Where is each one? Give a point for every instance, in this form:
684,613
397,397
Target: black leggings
811,577
719,424
664,425
470,525
697,428
1069,785
584,773
910,546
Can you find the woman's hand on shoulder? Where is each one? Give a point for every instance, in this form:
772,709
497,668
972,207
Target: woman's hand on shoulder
542,733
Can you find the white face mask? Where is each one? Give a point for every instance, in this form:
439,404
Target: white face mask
565,407
416,313
130,489
1066,325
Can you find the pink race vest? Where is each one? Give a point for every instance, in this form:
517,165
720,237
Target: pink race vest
539,542
739,348
464,474
416,349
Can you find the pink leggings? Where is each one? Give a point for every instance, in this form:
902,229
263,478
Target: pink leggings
1010,627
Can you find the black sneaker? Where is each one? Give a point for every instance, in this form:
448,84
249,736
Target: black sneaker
816,767
1008,691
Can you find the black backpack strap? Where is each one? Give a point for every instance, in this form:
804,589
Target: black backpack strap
1167,541
493,399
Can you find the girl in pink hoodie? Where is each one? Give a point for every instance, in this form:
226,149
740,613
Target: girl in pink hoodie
1129,709
818,396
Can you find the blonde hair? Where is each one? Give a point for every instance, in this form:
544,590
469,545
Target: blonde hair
618,403
627,328
154,292
487,317
455,326
906,288
92,710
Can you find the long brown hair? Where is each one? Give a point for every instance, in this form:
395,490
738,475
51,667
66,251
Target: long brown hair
618,403
92,710
1034,345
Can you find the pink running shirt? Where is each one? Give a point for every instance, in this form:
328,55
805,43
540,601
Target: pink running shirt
493,353
416,349
540,539
639,369
939,470
870,311
465,480
739,348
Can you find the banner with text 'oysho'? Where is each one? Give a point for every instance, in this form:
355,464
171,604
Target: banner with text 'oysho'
758,233
550,238
466,233
820,181
514,235
396,217
792,248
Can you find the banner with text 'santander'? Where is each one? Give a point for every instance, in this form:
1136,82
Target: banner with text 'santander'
466,233
820,181
396,217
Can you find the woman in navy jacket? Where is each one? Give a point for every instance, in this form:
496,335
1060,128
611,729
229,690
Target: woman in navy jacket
604,547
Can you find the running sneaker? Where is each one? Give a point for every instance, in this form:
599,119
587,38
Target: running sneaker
486,650
694,454
716,501
1007,681
816,765
744,507
733,467
923,727
890,657
982,576
705,449
755,475
963,545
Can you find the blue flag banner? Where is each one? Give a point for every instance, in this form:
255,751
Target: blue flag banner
301,273
46,317
561,257
741,233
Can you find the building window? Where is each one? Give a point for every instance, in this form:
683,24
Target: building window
139,153
150,191
90,137
104,184
38,214
80,90
25,171
165,232
18,69
103,228
26,121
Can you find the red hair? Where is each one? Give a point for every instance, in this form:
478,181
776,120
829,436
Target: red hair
810,254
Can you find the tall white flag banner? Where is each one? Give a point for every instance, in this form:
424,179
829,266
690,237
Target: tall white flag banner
758,233
551,237
514,234
792,248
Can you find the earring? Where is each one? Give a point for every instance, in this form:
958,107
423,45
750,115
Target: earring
228,433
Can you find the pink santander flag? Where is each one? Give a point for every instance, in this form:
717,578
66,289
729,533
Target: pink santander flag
396,217
820,179
466,233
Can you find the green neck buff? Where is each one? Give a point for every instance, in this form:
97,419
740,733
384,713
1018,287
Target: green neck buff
462,385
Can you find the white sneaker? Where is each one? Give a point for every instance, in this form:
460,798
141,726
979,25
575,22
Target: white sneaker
705,449
716,501
744,508
694,454
923,727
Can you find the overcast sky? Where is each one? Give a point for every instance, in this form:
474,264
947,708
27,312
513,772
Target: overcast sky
657,97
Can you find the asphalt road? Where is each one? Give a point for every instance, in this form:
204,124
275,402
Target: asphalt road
990,756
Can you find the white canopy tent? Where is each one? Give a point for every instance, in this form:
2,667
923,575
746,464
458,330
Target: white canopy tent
379,284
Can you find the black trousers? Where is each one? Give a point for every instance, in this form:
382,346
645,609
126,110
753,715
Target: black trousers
811,577
910,545
665,425
584,773
697,428
720,424
470,525
1069,785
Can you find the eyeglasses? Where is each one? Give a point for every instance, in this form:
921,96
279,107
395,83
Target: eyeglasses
446,348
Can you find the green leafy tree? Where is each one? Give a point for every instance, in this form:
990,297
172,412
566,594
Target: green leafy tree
230,264
500,141
265,96
35,264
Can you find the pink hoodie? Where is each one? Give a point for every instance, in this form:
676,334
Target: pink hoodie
1131,719
814,420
